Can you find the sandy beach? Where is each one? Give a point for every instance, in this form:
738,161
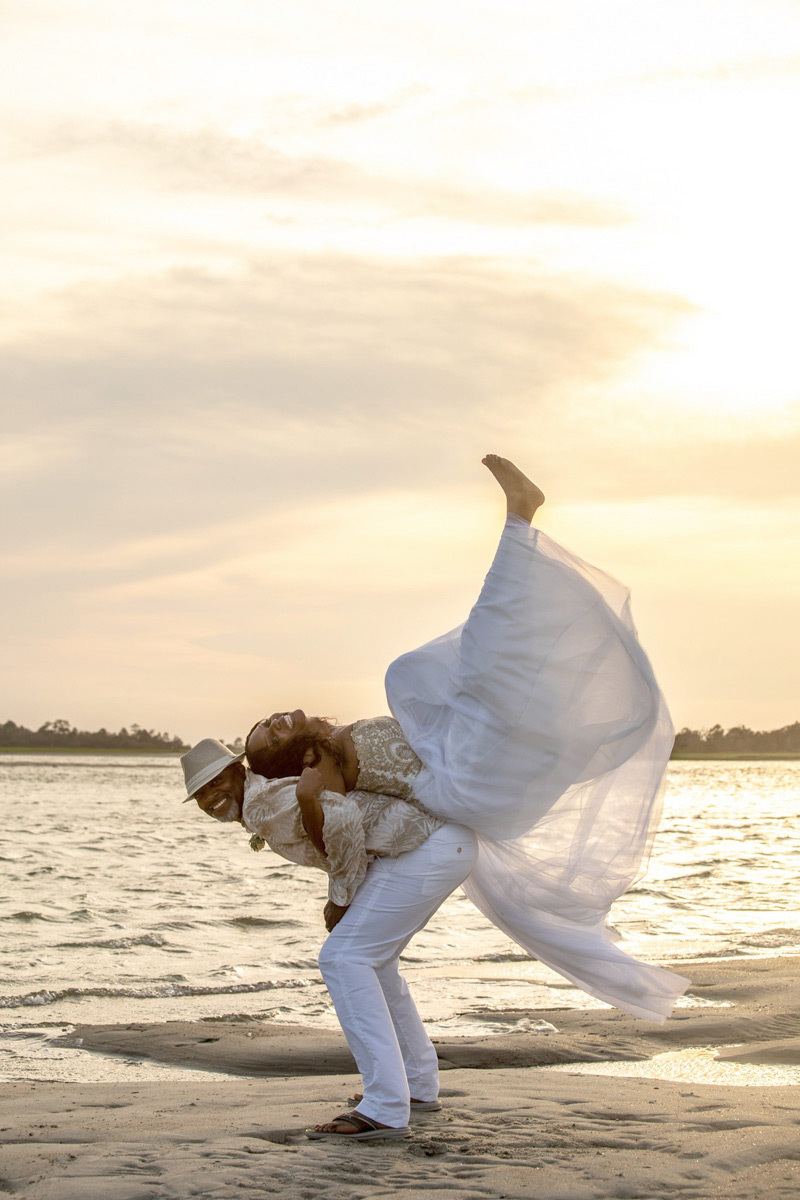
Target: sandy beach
707,1109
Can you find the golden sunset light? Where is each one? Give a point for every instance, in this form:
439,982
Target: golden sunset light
401,469
275,278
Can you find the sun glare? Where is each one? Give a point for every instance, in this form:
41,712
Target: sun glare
738,363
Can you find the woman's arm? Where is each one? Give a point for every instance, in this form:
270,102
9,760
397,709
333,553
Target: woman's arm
295,830
328,771
310,786
325,776
348,860
290,815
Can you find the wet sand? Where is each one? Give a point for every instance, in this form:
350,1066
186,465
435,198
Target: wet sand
507,1128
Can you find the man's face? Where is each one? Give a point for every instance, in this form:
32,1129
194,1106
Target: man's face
223,797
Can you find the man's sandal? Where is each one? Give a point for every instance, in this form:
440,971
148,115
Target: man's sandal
416,1105
365,1128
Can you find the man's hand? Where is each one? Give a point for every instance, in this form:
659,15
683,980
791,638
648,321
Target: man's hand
333,914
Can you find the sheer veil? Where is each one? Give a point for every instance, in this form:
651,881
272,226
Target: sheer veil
542,727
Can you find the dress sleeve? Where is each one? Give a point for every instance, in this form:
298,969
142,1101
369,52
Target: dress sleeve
271,810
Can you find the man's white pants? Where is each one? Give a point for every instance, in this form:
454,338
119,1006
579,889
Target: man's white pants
359,963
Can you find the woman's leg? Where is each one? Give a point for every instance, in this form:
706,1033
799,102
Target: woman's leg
381,1024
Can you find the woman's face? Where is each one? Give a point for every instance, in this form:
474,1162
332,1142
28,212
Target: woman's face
278,729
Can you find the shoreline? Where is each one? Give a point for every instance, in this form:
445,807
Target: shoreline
520,1116
91,750
736,756
729,994
683,756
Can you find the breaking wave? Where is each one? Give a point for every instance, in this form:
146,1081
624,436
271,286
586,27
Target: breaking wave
45,997
123,943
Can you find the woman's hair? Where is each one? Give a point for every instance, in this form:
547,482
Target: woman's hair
287,759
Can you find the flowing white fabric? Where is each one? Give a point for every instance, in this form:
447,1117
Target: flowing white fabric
542,728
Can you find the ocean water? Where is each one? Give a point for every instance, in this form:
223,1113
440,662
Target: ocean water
122,904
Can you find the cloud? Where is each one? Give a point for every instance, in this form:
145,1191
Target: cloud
758,67
186,400
356,114
309,326
156,410
211,161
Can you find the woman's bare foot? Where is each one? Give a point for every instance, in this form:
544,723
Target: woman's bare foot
522,497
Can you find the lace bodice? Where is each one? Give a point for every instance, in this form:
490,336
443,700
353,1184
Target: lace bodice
357,828
386,763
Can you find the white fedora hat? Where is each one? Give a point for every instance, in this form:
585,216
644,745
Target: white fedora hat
204,762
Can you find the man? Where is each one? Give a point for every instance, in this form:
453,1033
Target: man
359,961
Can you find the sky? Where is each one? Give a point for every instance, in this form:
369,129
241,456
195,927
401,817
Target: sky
275,277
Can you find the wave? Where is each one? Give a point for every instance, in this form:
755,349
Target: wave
503,956
45,997
772,939
123,943
656,893
28,916
257,922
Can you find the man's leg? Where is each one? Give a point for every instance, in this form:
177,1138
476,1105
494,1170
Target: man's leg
420,1061
397,898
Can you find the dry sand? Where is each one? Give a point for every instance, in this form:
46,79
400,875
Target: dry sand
507,1129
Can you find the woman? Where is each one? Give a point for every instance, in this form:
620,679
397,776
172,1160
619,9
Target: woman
537,733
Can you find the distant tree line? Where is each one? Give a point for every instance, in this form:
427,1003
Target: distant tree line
58,735
738,740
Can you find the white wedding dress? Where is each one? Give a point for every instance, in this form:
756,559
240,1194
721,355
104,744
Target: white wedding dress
541,727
